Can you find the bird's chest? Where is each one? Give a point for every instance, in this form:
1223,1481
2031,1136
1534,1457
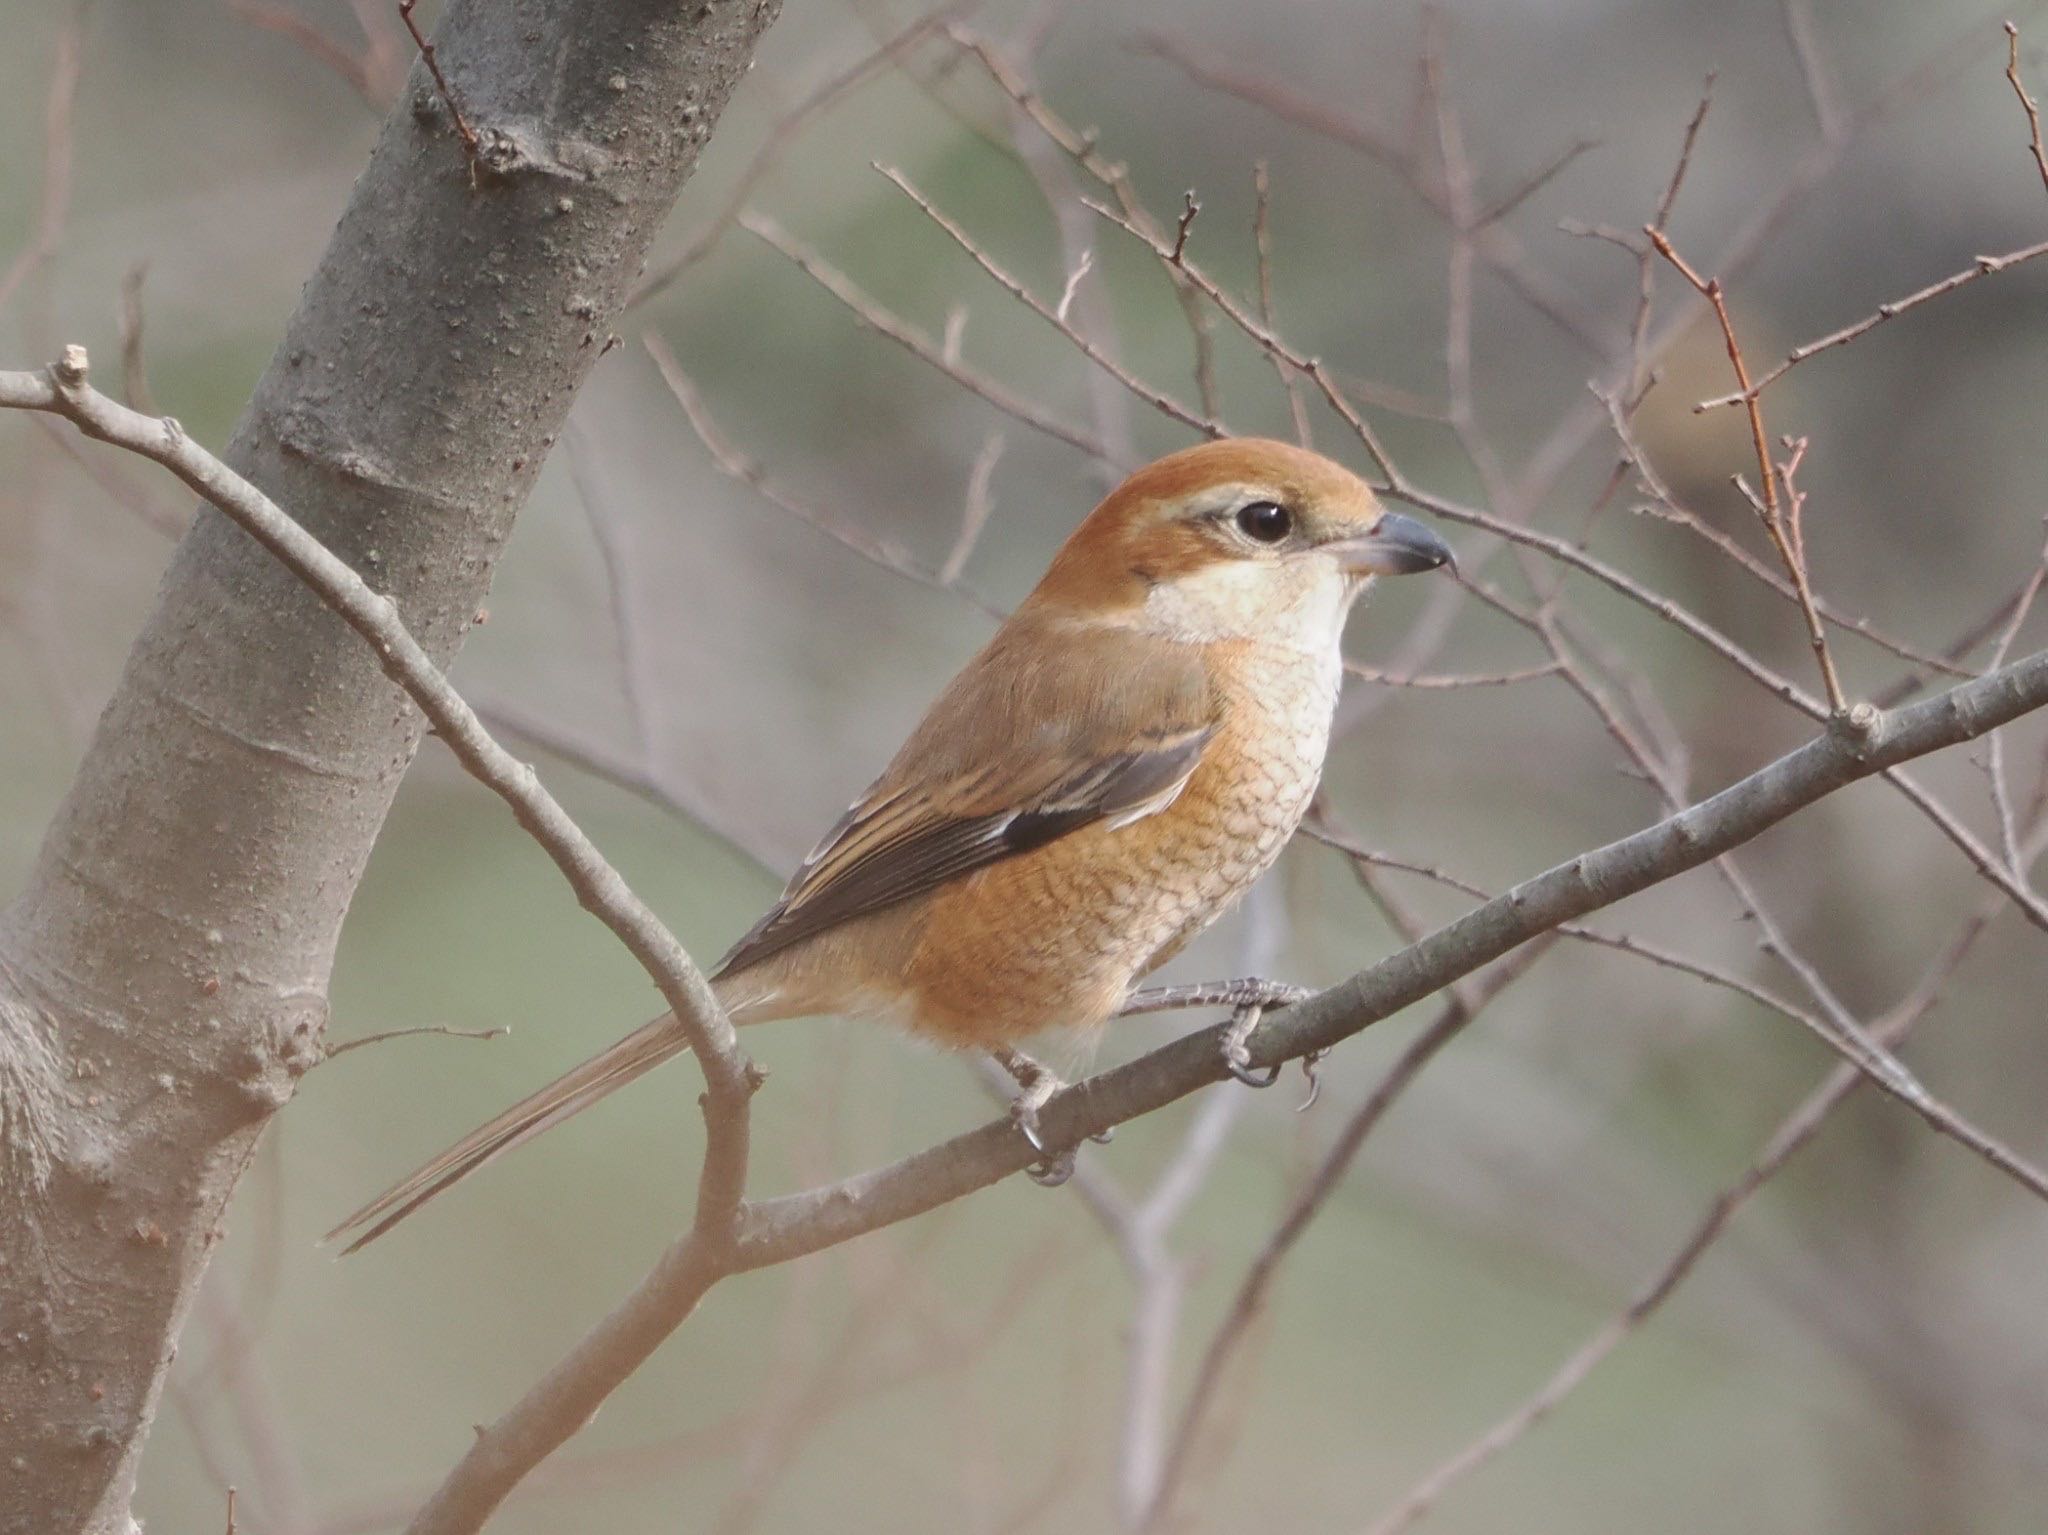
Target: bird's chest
1256,780
1060,935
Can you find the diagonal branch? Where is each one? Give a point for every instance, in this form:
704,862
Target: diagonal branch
1780,514
1793,1133
1868,742
63,391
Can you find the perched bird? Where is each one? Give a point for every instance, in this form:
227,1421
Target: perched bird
1119,763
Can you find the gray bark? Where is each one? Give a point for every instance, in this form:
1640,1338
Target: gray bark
163,974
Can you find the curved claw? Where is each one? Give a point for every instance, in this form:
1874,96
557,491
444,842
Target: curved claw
1236,1056
1026,1122
1309,1073
1053,1171
1243,1072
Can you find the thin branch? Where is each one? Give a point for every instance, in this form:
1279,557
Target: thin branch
2027,102
1476,680
1839,1029
1051,169
1983,266
1559,163
1398,485
356,69
1666,507
1262,240
1793,1133
1780,519
1813,68
780,1229
976,509
1364,858
446,1030
471,146
1080,148
544,731
1250,1298
53,205
1160,1275
615,556
738,466
164,520
1495,243
1160,401
1967,639
135,388
785,132
915,341
1201,332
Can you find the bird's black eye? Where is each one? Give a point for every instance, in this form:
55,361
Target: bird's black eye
1265,522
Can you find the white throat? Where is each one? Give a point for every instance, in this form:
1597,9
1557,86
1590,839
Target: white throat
1298,605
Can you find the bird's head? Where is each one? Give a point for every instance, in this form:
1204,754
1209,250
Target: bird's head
1237,539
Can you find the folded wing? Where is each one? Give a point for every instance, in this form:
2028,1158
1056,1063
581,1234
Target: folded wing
1023,749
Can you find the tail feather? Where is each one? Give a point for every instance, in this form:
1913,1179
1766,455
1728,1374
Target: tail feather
639,1052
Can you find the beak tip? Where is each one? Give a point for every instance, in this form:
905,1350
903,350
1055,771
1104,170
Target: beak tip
1403,546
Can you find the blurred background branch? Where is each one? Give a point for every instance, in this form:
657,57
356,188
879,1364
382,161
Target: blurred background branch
1376,264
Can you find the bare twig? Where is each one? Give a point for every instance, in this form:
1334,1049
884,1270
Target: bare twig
446,1030
543,731
471,145
1262,240
976,510
1667,507
1559,163
1250,1297
1792,1134
601,514
1398,485
1835,1026
1475,680
2027,102
1494,242
788,128
1160,401
783,1228
916,342
1983,266
1781,522
53,205
739,467
531,1429
134,376
358,69
1142,1230
1080,147
165,520
1814,73
62,390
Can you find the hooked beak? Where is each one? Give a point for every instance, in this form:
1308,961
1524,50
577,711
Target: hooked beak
1399,546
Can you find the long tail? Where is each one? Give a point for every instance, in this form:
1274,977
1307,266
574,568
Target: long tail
638,1053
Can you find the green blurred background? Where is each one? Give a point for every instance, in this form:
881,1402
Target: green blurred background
1865,1349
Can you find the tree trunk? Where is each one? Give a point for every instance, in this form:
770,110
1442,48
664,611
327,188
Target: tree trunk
163,976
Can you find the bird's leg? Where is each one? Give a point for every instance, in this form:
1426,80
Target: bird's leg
1036,1084
1247,999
